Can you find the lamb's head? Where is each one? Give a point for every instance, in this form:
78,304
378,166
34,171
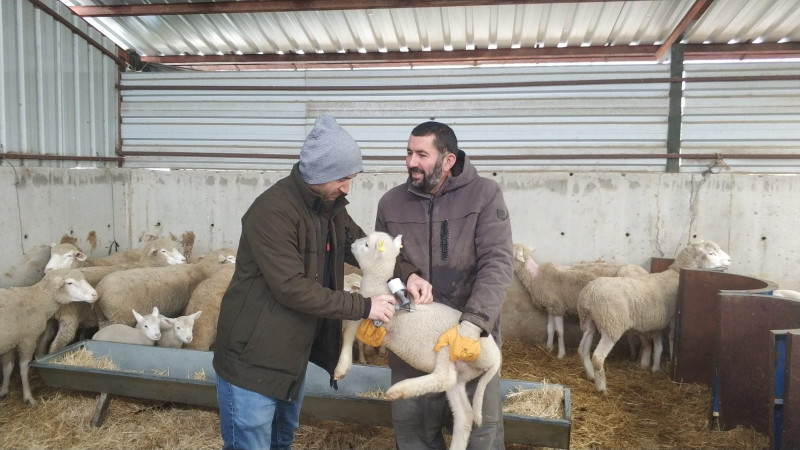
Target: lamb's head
377,249
218,257
69,285
163,252
523,260
64,256
183,325
149,324
702,255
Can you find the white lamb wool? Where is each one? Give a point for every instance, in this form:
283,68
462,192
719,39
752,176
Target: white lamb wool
646,304
412,337
147,331
178,331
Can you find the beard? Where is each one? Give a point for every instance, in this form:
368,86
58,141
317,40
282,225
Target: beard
429,180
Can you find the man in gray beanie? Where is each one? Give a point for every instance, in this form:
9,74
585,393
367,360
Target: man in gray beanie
285,303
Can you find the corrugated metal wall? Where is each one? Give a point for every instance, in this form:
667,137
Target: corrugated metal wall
502,128
57,92
380,107
742,116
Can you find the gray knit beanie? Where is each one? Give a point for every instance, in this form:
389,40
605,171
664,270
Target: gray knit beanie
328,153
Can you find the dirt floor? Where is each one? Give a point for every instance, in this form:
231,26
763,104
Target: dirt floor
641,410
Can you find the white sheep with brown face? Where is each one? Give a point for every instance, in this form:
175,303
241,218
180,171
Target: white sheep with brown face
412,337
646,304
24,312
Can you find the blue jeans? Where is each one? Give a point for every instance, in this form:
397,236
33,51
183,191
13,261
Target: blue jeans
249,420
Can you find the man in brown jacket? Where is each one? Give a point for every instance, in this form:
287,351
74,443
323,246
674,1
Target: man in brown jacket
284,305
456,230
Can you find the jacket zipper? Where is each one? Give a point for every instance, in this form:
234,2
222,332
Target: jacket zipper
319,239
430,239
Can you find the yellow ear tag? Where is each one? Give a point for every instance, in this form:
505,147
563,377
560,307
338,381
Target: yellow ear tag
380,246
401,245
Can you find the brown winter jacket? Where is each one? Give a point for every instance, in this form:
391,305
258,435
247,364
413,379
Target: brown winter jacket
460,239
275,304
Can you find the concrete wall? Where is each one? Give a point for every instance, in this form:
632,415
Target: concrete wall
565,216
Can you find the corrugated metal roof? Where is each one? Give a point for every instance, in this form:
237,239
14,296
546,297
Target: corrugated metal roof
508,26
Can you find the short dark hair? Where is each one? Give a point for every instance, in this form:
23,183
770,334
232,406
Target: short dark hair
444,138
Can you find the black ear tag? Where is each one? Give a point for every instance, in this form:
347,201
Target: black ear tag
502,214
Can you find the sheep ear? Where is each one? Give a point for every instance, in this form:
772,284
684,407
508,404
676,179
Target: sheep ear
398,241
59,281
196,315
167,320
155,311
152,250
137,315
80,256
520,257
52,245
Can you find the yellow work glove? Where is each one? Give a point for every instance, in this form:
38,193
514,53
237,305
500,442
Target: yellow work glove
369,334
463,340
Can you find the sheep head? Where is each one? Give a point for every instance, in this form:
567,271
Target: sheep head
702,255
64,256
377,249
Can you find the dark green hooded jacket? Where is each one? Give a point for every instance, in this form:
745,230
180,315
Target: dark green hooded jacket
276,315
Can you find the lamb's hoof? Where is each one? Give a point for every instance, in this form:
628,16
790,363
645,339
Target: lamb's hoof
562,355
30,401
655,369
393,394
340,373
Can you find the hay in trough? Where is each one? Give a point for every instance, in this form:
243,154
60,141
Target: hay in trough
376,393
85,358
199,375
641,410
547,402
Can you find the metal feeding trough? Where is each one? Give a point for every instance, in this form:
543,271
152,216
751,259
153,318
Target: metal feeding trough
168,374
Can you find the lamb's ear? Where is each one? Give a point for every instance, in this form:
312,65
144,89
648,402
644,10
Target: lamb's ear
520,256
155,311
151,251
80,256
59,280
195,315
52,244
137,316
398,241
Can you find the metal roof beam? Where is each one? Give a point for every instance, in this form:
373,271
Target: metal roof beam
523,55
233,7
695,12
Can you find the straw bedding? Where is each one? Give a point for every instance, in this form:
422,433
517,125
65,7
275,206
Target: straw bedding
641,410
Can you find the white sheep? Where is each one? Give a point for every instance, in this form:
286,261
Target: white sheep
168,288
786,293
146,332
412,337
646,304
28,270
207,297
352,283
178,331
24,312
555,288
156,252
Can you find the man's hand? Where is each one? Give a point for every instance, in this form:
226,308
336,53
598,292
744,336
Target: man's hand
369,334
420,289
382,307
463,340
